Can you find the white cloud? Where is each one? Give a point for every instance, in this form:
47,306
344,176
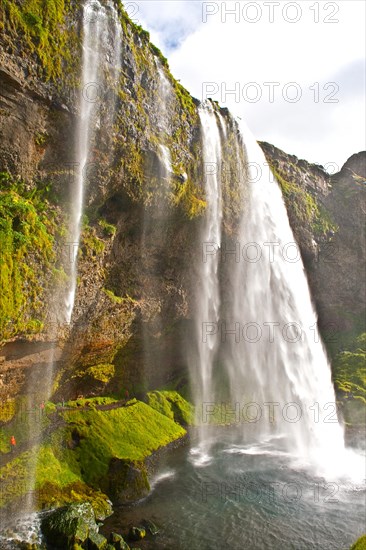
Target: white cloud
305,52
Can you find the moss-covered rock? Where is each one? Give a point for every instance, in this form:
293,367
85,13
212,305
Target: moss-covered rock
27,239
96,541
150,527
128,481
118,542
172,405
137,533
91,451
70,525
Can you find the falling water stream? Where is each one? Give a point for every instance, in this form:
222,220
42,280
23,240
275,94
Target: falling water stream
102,38
101,63
254,483
262,368
208,292
257,362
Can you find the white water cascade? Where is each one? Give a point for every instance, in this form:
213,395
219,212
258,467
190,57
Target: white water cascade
262,367
208,291
102,39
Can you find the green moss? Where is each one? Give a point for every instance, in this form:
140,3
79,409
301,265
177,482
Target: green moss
349,370
73,462
360,544
108,228
186,197
92,245
159,55
322,223
27,237
132,165
305,206
28,416
41,26
41,139
184,97
92,402
7,410
115,299
132,432
103,373
56,483
172,405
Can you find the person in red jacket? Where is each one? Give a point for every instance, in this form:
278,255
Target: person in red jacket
12,443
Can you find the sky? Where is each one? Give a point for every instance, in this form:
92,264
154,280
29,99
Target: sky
294,71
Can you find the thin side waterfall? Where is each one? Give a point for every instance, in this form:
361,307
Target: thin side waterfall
165,99
207,292
102,37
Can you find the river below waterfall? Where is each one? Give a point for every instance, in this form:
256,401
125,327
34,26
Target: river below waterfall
248,497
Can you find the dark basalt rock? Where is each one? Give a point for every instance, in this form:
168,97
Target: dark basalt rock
128,481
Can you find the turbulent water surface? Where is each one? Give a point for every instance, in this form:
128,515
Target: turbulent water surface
247,497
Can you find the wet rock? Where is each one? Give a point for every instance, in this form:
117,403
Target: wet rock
96,541
137,533
118,542
69,525
128,481
150,527
103,509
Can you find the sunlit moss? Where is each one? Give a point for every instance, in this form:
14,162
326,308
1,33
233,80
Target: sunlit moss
41,26
27,239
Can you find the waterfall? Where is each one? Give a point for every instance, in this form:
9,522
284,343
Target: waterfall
102,38
259,364
276,357
164,127
207,291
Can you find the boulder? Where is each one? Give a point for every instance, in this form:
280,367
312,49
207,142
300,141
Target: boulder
150,527
137,533
69,525
118,542
127,481
95,541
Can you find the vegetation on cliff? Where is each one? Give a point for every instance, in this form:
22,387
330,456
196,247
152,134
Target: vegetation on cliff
305,208
27,231
73,461
42,27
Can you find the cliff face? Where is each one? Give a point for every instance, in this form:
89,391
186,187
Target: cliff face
134,294
137,236
327,215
